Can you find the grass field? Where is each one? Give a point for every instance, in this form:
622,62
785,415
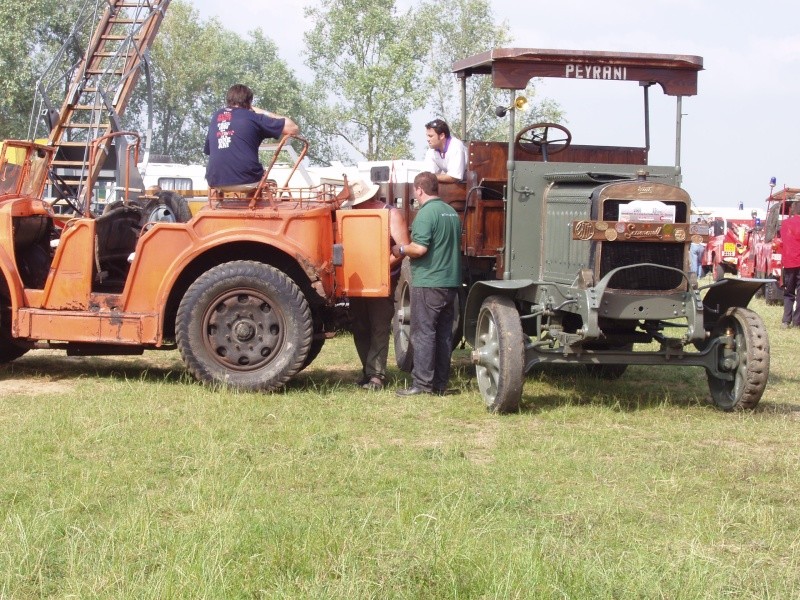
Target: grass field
122,478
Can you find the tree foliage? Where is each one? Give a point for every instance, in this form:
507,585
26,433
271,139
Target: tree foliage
365,59
194,63
375,68
33,31
470,29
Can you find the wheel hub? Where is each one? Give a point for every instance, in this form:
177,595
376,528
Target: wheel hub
243,331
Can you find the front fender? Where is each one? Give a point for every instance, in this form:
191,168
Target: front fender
727,293
11,276
482,290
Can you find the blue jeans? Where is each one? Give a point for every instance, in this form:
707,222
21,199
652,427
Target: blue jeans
432,315
696,254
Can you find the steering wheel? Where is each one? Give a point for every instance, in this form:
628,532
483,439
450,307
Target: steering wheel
64,191
540,137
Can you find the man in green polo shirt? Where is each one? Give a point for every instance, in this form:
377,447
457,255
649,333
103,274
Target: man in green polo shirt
435,253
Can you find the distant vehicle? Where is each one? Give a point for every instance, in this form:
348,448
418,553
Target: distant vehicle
767,245
751,247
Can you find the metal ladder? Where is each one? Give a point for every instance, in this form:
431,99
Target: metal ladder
100,86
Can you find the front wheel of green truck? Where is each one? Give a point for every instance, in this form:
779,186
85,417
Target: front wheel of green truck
244,324
499,354
744,356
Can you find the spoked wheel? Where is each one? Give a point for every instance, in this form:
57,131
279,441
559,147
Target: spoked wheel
744,356
401,323
499,354
244,324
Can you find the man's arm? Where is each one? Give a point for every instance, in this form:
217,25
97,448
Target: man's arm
399,232
289,126
412,250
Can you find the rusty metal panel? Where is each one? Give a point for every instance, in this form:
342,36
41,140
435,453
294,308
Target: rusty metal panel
364,235
89,326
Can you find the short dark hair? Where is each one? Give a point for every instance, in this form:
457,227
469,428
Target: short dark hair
239,95
439,126
427,182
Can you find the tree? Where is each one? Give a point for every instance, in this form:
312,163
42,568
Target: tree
194,62
187,69
365,59
32,33
470,29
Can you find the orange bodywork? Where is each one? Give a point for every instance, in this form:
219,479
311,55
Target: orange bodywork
163,258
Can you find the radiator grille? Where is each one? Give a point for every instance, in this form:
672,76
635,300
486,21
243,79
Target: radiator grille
618,254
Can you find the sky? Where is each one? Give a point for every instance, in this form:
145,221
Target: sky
741,129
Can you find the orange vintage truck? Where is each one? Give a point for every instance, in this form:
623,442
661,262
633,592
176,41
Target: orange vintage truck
247,289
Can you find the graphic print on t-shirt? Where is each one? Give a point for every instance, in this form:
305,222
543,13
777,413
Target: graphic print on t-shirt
224,132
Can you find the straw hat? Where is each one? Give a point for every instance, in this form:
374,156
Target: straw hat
360,191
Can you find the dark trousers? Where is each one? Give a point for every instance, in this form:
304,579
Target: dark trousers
432,315
791,289
371,325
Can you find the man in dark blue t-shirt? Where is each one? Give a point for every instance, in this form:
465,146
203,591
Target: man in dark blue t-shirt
234,135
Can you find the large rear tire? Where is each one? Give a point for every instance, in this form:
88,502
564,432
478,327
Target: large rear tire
745,358
499,354
244,324
401,323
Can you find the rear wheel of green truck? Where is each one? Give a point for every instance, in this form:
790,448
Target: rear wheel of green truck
401,323
499,354
244,324
744,356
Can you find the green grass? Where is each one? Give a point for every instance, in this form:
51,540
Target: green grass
122,478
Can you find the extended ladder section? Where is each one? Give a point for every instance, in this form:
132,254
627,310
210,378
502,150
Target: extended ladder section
101,86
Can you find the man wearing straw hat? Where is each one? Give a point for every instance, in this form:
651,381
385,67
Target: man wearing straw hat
372,317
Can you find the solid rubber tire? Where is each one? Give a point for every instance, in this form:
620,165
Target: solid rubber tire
752,371
500,344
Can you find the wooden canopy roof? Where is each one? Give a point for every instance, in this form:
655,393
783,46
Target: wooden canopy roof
513,68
